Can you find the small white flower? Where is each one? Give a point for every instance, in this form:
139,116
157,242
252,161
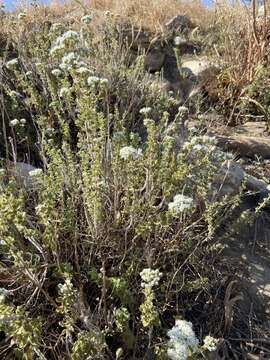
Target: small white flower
104,82
145,110
128,152
178,40
22,16
28,74
86,19
94,80
56,27
69,61
199,147
183,110
183,341
64,91
65,288
39,65
12,64
150,277
57,50
210,343
36,173
83,70
180,203
69,38
23,121
56,72
14,122
178,352
70,58
148,122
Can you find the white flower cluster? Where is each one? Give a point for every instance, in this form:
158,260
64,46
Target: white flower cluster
56,72
69,61
95,80
36,173
207,145
84,71
64,91
86,19
12,64
206,141
128,152
150,278
57,50
210,343
145,110
179,40
68,40
56,27
28,74
183,341
21,16
66,288
180,203
16,122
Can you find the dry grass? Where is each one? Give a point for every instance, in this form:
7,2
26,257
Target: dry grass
151,14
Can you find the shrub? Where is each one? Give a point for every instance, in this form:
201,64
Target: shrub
111,243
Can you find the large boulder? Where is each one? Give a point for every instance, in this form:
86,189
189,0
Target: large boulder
199,69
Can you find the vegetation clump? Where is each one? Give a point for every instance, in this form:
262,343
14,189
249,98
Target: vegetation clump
112,250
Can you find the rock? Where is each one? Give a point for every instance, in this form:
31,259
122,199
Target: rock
228,180
179,23
251,129
199,69
247,140
231,178
22,172
154,60
136,38
246,146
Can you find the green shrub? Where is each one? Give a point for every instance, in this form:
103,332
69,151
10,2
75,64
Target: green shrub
116,196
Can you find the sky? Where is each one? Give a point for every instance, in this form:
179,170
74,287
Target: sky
11,4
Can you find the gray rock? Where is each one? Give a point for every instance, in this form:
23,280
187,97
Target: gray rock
199,70
179,23
228,180
22,171
246,146
154,60
231,178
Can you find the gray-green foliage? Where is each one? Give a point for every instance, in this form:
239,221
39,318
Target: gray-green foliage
100,213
